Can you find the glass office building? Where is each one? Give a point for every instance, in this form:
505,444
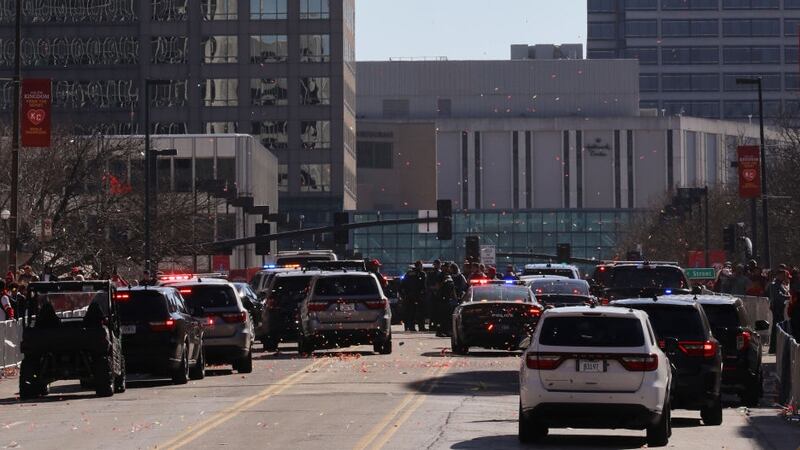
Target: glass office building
592,234
692,51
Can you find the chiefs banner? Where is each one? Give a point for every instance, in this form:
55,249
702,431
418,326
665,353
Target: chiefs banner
36,106
749,171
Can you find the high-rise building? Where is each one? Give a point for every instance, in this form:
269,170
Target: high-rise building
692,51
282,70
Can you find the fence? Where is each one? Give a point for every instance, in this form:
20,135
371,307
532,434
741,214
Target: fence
788,366
758,309
10,338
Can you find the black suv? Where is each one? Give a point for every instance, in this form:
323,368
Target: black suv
159,336
741,346
683,331
282,309
639,279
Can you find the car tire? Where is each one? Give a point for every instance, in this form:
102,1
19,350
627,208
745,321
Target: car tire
121,380
658,434
457,347
383,346
103,377
304,346
529,430
245,364
712,415
29,385
198,371
270,344
181,374
751,397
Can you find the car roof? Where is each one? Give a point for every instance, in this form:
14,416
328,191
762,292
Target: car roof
201,282
559,280
159,289
544,277
671,300
714,299
298,273
550,266
573,311
341,273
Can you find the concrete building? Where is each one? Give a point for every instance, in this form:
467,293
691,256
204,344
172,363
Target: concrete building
546,51
692,51
542,134
281,70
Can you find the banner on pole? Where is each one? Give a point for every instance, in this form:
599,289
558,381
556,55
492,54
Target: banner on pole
749,171
36,108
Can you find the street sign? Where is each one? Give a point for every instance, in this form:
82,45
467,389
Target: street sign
701,274
749,157
488,255
428,228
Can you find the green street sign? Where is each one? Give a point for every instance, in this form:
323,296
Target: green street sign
701,274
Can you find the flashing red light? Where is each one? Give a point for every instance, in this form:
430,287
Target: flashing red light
167,325
122,297
602,269
536,312
480,281
707,349
376,304
185,291
490,327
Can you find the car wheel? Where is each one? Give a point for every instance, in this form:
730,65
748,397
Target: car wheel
383,346
198,371
245,365
270,344
712,415
457,347
529,429
753,391
658,434
121,380
29,385
304,346
181,374
103,377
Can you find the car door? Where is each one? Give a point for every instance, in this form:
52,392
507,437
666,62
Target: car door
191,326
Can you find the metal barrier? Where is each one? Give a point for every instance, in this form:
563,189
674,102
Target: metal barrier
788,366
758,309
10,338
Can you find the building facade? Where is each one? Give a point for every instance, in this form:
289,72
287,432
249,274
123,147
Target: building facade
692,51
281,70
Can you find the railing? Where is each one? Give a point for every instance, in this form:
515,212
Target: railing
10,338
788,367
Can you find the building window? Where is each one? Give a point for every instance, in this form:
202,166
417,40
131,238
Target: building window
690,28
444,107
602,31
601,54
743,109
698,82
792,81
220,49
220,92
84,11
274,134
220,128
791,27
375,155
689,55
315,135
220,9
646,55
169,49
315,48
95,95
750,4
283,178
641,5
269,48
72,51
602,6
790,55
641,28
183,175
169,95
169,128
708,109
315,9
315,177
315,91
791,4
269,92
690,4
395,108
751,27
168,10
648,82
769,81
752,55
268,9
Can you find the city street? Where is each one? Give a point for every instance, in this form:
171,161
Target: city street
420,397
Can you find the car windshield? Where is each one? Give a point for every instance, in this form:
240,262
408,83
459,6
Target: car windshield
563,287
209,296
550,271
500,293
592,331
722,316
346,285
646,277
293,289
135,306
681,322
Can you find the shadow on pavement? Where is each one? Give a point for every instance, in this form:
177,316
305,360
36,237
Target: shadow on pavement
477,383
771,431
685,422
555,441
447,353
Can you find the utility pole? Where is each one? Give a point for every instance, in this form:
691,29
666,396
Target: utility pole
14,219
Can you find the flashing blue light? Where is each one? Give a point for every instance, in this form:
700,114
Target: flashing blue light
402,277
270,266
509,281
668,292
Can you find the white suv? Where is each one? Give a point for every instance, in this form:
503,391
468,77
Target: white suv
595,367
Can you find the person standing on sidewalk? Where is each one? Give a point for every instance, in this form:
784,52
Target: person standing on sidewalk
779,296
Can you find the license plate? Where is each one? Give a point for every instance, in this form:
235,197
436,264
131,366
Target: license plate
128,329
591,366
347,307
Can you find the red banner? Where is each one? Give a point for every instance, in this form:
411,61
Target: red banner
221,263
36,109
749,171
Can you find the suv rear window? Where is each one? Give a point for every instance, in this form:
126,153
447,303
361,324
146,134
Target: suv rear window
142,306
290,289
588,331
682,322
722,316
209,296
557,272
346,285
500,293
644,277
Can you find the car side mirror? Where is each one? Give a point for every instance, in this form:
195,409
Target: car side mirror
697,290
762,325
525,343
671,345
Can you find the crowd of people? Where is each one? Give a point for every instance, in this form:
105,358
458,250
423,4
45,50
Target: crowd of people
430,296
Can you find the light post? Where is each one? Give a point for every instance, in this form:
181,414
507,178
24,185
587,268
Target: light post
5,215
757,81
148,162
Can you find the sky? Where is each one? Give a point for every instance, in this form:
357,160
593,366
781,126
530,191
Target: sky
463,29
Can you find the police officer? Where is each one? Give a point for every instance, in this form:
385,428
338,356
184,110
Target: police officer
412,288
432,292
443,301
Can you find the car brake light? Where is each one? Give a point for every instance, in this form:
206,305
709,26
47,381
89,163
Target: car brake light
743,340
535,312
490,327
122,297
167,325
238,317
604,301
317,306
707,349
479,281
640,363
376,304
543,361
185,291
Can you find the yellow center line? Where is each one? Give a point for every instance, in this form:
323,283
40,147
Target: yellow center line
379,435
197,430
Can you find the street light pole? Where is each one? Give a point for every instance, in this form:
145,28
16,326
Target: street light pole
147,256
14,218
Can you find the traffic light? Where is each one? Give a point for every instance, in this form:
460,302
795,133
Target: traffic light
263,248
729,238
564,253
341,237
473,248
444,210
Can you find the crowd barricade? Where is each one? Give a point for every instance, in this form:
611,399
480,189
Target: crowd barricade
10,338
787,366
758,309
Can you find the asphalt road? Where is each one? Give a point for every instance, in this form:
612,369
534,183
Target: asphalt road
420,397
